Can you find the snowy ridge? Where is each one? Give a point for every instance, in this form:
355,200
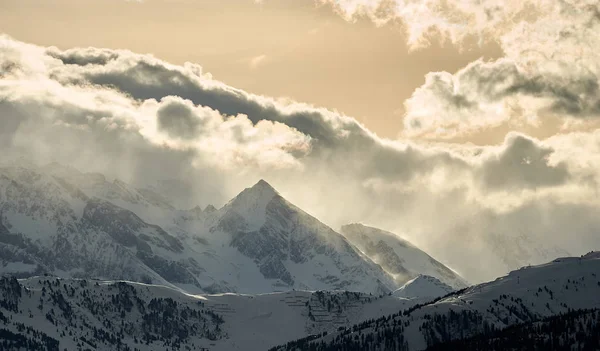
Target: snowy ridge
293,249
132,315
423,286
48,313
109,315
399,257
526,295
60,221
251,204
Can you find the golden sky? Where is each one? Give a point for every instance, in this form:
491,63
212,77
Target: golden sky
289,48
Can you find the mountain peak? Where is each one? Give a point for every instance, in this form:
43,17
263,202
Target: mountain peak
262,185
252,203
261,192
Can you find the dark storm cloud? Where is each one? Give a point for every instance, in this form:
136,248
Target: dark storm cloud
153,80
84,56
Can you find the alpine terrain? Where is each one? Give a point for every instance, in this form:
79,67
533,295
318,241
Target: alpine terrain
537,303
57,220
399,257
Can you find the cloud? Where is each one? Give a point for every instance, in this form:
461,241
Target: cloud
257,61
144,120
333,137
454,19
179,120
551,65
522,163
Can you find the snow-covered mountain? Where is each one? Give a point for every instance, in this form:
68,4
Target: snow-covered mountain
47,313
398,257
57,220
423,286
52,226
527,295
54,314
291,248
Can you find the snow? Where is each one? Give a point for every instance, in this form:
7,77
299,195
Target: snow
18,267
45,207
258,322
423,287
413,260
251,204
251,322
568,283
222,250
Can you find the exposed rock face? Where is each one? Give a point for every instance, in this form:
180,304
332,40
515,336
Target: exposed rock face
51,226
279,238
60,221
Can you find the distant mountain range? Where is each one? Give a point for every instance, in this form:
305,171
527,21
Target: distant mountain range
59,221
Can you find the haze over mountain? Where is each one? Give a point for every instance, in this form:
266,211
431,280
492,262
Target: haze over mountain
398,257
57,220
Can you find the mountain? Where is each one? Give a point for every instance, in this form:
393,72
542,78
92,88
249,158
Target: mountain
532,305
48,313
398,257
55,314
292,248
63,222
51,226
525,296
423,286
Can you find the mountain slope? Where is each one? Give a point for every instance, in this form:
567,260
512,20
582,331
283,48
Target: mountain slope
576,330
399,257
54,227
57,220
57,314
292,248
527,295
423,286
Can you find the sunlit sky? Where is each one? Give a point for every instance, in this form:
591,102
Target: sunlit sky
281,48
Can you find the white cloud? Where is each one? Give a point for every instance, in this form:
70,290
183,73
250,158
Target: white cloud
144,120
258,61
551,65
